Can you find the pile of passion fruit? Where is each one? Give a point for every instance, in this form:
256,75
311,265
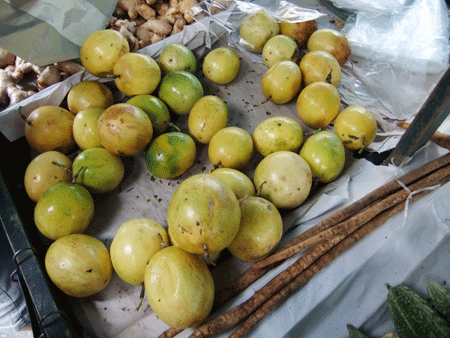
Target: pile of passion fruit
80,151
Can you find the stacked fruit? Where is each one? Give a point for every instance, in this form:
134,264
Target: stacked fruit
208,212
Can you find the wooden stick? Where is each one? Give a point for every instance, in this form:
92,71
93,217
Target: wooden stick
252,274
229,319
441,139
348,226
321,263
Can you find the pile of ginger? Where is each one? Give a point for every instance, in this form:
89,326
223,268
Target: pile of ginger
20,79
144,22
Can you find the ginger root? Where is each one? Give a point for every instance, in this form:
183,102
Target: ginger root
6,58
9,92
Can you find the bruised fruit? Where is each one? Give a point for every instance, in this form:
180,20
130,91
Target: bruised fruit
179,287
133,245
319,65
79,265
356,127
203,214
260,230
284,178
124,129
156,110
331,41
299,31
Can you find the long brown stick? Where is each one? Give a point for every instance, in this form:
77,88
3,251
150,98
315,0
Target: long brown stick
321,263
441,139
252,274
348,226
235,315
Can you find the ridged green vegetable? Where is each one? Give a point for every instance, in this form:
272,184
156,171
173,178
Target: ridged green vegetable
440,298
353,332
413,316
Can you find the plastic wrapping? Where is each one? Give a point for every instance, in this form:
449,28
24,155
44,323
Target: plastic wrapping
414,37
374,6
60,26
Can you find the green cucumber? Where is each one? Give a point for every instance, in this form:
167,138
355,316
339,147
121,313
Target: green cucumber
440,298
413,316
353,332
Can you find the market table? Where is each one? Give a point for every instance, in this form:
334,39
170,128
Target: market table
410,248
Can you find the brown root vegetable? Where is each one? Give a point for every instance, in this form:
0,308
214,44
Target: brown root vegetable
10,94
161,27
6,58
49,76
441,139
69,67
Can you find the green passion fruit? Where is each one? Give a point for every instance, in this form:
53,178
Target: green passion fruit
170,155
325,154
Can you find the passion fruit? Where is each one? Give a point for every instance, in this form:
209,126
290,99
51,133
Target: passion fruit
331,41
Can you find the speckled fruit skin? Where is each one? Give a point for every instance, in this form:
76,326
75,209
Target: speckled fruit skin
85,128
64,209
280,48
208,115
98,170
156,109
136,74
175,57
240,183
133,245
79,265
124,129
260,230
100,51
170,154
42,173
203,214
356,127
277,133
89,93
179,287
317,65
230,147
318,104
287,179
50,128
256,29
180,90
282,82
331,41
221,65
325,154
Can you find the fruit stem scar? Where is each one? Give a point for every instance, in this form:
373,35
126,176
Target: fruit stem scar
258,192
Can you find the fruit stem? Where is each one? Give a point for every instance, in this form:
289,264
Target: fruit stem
163,245
266,100
63,167
174,126
258,192
141,297
22,115
75,176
